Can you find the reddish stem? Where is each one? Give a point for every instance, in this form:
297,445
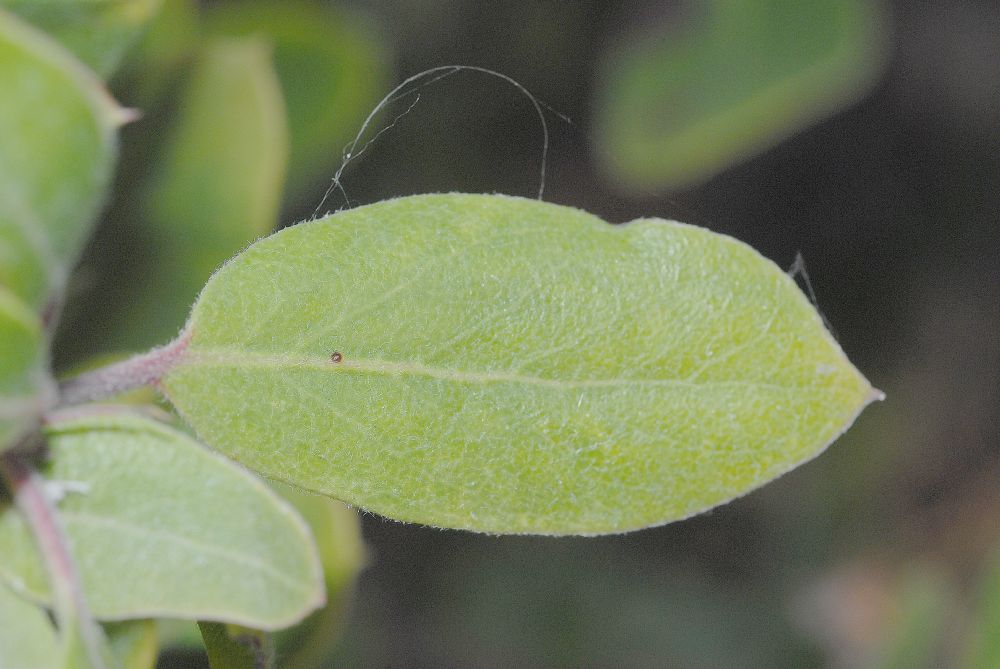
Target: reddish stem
141,370
69,603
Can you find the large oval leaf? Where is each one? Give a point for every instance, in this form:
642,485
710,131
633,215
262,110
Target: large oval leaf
508,365
165,528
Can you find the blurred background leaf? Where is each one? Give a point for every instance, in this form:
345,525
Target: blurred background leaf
232,647
732,78
333,69
99,32
134,643
915,638
57,149
337,531
983,642
215,187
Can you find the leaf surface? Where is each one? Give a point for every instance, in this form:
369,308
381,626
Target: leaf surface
164,528
508,365
678,104
57,149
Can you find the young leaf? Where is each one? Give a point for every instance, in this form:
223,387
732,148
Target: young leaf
57,149
737,78
508,365
162,527
99,33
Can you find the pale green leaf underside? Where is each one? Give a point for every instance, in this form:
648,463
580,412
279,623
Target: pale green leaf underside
166,528
57,149
512,366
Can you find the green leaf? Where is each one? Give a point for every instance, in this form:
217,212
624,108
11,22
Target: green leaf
99,32
57,150
508,365
28,639
678,106
164,528
231,647
218,187
26,389
332,67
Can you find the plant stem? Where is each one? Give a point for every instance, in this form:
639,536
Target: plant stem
68,601
138,371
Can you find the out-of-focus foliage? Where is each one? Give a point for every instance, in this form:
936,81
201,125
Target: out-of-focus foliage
983,646
134,643
98,32
311,644
734,78
331,67
215,186
920,612
57,147
233,647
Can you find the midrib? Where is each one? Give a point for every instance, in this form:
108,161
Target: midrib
219,357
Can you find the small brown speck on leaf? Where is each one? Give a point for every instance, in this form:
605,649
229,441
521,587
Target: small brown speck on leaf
336,357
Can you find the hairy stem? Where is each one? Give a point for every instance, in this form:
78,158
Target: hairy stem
69,604
138,371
